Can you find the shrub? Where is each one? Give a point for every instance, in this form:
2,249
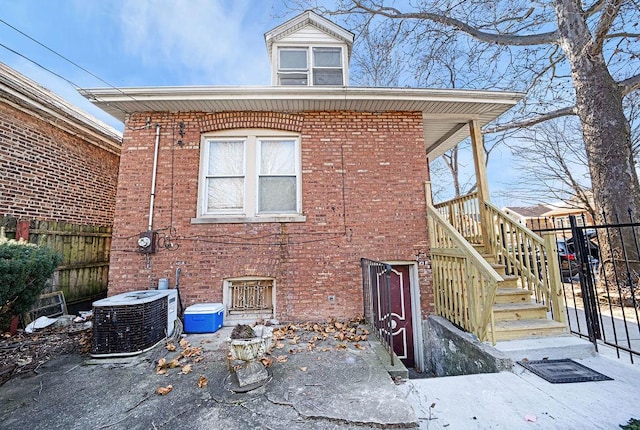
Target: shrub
24,271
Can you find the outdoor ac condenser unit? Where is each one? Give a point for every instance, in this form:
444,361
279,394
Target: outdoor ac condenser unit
134,322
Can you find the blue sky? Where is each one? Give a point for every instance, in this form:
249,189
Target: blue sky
139,42
154,43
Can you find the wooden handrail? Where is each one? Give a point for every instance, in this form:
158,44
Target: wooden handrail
456,224
465,284
526,255
464,213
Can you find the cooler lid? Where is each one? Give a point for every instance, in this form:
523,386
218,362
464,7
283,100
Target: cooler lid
204,308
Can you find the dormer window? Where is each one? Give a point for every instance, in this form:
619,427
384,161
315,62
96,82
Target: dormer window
293,66
325,68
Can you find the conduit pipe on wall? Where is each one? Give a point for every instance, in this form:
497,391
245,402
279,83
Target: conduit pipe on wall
153,177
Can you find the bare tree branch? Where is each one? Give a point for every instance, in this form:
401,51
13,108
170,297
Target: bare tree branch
630,84
607,17
499,39
532,121
595,7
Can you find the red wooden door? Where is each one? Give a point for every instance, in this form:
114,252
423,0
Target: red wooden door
401,325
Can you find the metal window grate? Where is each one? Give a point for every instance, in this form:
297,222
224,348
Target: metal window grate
254,295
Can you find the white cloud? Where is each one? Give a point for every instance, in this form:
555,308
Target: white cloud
215,40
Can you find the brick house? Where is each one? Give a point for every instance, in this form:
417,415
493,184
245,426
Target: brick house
59,169
266,198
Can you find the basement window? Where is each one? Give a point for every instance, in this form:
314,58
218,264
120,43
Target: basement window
249,298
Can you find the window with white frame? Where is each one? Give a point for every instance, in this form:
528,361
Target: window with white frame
310,66
250,174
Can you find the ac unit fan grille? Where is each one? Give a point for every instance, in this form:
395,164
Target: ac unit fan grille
129,328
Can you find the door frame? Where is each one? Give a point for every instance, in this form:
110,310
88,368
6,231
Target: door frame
416,312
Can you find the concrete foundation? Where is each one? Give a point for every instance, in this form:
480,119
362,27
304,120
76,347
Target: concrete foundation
449,351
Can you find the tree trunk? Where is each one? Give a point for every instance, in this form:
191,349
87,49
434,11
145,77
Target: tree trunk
606,134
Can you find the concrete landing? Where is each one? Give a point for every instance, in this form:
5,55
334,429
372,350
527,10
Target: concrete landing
522,400
552,348
395,370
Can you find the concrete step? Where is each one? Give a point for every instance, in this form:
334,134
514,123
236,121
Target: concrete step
512,295
397,370
543,348
525,329
519,311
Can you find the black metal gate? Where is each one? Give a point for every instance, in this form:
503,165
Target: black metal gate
376,291
603,309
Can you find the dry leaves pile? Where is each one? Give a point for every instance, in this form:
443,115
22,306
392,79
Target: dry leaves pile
187,357
23,353
316,337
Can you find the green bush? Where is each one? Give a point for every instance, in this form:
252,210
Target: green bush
24,271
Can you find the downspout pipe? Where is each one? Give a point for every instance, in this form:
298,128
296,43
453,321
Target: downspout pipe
153,177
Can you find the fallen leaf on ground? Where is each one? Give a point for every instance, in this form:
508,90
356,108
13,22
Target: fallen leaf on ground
164,390
173,363
304,368
184,343
161,368
279,345
171,346
202,381
266,361
341,346
357,345
282,358
186,369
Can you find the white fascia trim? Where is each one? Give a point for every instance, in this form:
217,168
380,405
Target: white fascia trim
141,94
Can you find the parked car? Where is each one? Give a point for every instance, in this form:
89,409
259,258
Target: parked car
569,266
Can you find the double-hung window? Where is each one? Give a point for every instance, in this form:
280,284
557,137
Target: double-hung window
310,66
250,176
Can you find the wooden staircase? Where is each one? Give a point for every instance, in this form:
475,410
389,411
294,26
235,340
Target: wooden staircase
516,314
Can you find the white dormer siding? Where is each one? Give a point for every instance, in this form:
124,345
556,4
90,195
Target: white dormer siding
309,50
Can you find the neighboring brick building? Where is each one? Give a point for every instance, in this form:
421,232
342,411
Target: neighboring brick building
58,179
266,198
56,162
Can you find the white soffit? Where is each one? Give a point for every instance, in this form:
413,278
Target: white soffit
446,113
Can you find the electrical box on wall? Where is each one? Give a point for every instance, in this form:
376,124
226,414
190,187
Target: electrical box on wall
147,242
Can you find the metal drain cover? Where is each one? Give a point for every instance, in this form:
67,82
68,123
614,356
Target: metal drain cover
562,371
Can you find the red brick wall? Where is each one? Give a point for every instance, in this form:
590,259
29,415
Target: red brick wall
48,174
375,160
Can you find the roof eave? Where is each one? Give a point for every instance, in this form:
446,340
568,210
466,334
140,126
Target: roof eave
484,106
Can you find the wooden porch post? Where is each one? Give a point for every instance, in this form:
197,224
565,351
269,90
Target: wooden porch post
556,287
481,178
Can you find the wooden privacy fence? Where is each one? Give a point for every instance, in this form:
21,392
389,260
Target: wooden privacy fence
84,271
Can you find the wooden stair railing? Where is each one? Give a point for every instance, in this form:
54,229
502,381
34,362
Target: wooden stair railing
526,255
467,239
464,282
